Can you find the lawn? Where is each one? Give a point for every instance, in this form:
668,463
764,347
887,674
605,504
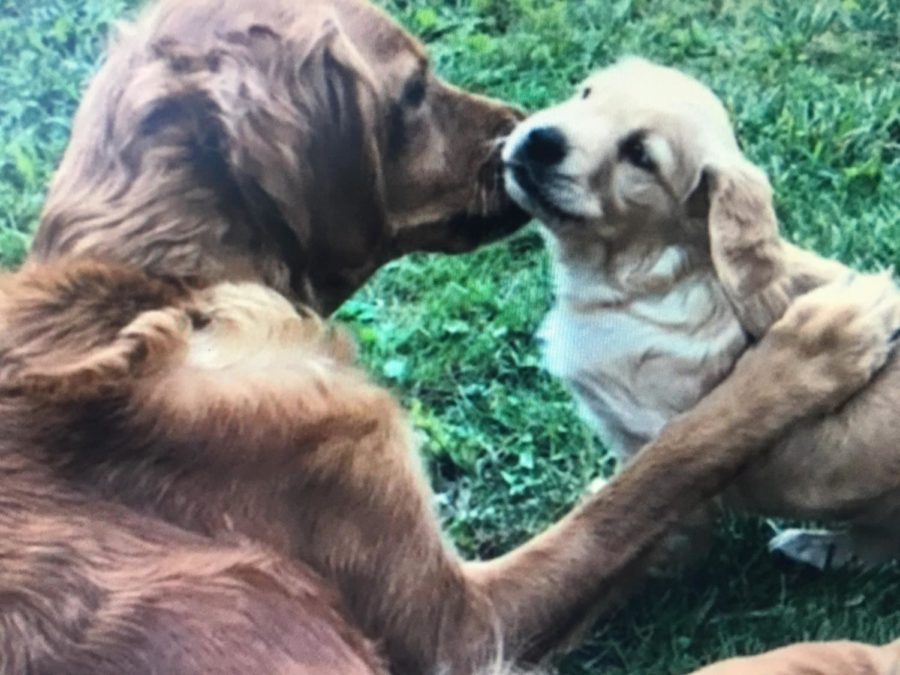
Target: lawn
815,89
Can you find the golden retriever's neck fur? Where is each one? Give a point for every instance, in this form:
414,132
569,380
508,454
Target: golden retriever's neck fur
629,319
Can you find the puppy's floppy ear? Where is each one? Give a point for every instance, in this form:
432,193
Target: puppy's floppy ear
747,251
142,347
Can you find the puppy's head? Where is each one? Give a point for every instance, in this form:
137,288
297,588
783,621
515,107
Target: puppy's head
638,151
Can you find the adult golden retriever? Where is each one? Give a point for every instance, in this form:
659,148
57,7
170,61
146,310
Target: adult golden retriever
668,265
226,412
301,143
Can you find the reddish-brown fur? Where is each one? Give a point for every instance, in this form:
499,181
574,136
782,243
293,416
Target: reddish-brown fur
89,588
224,412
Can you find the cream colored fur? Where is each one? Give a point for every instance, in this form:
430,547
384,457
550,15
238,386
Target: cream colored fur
664,338
668,265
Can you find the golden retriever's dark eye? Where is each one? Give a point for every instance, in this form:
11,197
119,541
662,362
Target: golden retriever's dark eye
633,150
585,93
414,92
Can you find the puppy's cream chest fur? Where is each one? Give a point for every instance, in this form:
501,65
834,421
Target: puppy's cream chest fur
640,345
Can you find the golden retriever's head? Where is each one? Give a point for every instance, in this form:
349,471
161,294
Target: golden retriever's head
641,151
301,142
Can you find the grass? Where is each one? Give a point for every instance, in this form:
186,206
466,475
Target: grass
815,89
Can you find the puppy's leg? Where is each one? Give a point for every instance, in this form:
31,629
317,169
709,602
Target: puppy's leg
823,549
842,465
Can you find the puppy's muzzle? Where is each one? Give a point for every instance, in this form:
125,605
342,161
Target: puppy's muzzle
535,155
532,164
542,148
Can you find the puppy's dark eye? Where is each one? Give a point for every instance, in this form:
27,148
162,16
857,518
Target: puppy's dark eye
586,92
199,320
414,92
633,150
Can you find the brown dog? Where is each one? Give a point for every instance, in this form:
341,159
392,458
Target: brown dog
224,411
299,143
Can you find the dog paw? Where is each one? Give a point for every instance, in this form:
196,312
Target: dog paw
826,550
842,333
821,549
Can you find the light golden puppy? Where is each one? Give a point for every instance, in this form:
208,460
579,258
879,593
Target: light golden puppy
668,265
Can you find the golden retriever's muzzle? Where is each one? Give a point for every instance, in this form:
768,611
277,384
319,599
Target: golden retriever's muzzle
496,214
492,213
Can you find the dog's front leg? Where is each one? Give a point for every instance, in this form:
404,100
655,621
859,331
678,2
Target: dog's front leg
823,658
825,348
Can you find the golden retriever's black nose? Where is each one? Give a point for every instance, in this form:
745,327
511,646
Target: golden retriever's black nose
544,146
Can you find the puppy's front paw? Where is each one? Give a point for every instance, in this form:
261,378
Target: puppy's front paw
842,333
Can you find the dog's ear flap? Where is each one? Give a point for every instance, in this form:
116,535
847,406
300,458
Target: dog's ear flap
142,347
344,148
301,124
747,250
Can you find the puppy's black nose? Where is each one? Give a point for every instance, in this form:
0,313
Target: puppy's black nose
543,145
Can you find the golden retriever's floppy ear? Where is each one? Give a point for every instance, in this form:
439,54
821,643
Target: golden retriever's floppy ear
279,125
747,251
301,124
141,348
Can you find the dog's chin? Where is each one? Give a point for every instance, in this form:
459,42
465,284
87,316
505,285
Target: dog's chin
463,231
532,197
471,231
